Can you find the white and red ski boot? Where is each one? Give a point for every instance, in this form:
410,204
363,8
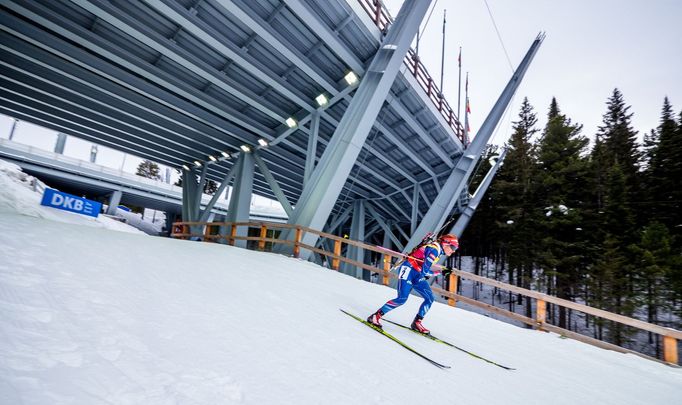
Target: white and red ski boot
375,319
417,325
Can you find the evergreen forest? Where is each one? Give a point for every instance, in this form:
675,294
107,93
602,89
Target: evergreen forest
591,218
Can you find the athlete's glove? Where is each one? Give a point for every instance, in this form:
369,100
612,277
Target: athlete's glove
446,271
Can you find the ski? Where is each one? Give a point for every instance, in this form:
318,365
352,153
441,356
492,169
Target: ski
398,341
435,339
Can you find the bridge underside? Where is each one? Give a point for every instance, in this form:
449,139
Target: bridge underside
179,81
321,95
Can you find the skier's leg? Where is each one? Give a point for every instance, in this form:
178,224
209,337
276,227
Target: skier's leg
404,288
424,289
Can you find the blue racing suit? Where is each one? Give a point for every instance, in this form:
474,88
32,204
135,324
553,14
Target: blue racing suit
413,274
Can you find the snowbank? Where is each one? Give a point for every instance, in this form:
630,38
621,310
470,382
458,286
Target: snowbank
19,195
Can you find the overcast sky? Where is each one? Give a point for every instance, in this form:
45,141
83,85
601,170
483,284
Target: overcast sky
592,47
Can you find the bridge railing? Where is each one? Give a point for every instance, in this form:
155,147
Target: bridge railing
263,236
381,17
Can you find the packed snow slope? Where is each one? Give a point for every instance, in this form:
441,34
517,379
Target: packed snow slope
89,315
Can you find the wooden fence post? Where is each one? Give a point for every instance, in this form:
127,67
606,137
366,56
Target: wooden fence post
670,350
452,287
297,241
337,252
540,313
263,234
233,233
207,233
387,268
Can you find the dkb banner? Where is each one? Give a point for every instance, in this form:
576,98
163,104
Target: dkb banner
67,202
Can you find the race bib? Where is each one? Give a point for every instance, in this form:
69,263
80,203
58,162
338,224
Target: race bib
404,272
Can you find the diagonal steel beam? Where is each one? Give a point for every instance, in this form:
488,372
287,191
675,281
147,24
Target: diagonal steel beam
468,212
273,183
452,189
384,225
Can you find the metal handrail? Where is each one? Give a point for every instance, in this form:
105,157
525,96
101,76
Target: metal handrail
382,18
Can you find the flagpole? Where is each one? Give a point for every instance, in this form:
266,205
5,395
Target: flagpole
466,111
442,55
459,85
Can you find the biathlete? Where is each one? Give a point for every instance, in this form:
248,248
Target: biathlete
413,273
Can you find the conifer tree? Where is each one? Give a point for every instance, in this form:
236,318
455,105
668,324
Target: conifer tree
613,287
618,196
655,261
618,145
661,169
148,169
562,194
513,191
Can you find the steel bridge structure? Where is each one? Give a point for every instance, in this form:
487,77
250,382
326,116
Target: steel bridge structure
319,104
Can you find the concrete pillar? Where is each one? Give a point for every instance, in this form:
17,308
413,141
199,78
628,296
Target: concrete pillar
61,142
93,153
114,201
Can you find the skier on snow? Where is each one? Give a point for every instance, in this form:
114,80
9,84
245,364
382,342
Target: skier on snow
413,274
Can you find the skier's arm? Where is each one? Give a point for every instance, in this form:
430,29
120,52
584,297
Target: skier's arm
431,254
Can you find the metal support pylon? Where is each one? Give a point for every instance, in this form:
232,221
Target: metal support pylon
326,182
469,210
451,190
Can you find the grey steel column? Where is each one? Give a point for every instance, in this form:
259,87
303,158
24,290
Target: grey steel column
274,186
468,212
325,184
357,232
14,126
415,208
199,193
187,201
311,154
114,201
61,142
240,202
218,192
451,190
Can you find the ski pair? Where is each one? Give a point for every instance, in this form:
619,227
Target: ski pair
430,336
435,339
395,339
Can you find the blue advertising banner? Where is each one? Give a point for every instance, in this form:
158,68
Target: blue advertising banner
67,202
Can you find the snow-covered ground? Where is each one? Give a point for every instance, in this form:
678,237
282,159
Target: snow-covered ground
91,316
17,196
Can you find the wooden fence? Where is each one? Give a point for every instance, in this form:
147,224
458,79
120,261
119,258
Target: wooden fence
211,233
